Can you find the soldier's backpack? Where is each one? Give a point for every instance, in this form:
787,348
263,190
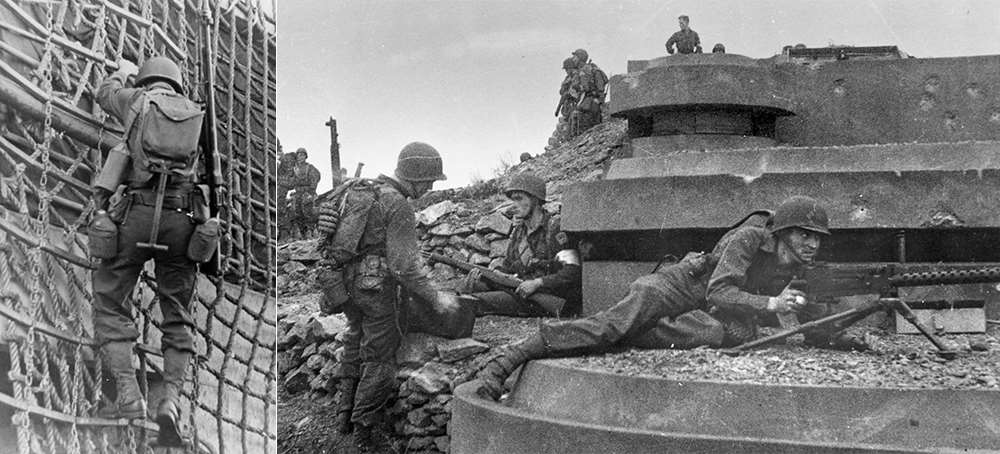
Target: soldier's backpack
167,126
600,79
344,215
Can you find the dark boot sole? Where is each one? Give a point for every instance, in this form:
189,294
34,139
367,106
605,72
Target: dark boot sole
170,435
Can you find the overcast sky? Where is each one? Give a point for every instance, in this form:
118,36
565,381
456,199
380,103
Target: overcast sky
478,80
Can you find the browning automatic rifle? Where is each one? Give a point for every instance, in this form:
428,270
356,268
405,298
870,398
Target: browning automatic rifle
551,303
823,282
210,141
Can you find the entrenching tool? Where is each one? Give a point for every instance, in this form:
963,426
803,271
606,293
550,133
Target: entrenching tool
162,172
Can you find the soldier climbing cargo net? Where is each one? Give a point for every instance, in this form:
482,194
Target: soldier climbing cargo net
53,139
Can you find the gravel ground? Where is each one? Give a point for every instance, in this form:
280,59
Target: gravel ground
895,361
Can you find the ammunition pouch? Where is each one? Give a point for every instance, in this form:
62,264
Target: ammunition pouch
372,273
334,289
589,104
204,241
119,208
198,203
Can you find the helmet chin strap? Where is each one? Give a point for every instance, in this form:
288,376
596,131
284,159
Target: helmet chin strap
798,258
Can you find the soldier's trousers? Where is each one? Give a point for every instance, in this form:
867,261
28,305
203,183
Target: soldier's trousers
500,302
661,310
370,342
114,279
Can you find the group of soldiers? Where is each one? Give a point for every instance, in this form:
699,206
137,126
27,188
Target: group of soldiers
296,215
582,91
581,96
714,299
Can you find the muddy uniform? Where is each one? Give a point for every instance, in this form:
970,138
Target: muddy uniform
687,42
736,279
305,181
531,254
115,278
372,335
588,111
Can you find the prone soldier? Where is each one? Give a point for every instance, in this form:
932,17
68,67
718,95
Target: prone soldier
538,252
370,248
745,281
161,215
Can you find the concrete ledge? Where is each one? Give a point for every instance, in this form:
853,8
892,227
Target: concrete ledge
556,409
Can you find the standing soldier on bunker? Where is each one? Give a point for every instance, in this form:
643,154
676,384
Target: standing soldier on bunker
305,180
370,249
161,214
686,40
568,99
744,282
538,252
590,84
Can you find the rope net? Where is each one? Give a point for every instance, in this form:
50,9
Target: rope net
53,140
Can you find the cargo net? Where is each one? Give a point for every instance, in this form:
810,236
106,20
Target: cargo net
53,139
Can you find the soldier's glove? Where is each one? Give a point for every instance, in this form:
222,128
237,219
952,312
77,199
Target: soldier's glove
127,68
329,219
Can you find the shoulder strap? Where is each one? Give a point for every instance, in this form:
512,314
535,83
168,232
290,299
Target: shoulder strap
135,113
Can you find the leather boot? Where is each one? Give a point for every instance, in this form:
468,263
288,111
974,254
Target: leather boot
129,404
345,404
493,375
168,412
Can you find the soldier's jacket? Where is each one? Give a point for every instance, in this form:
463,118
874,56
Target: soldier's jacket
544,240
686,41
117,100
391,232
306,178
587,82
747,273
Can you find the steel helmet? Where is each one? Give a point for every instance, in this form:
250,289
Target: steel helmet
526,182
582,55
160,68
569,63
802,212
302,151
419,162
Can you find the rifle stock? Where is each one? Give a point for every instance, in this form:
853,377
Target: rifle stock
551,303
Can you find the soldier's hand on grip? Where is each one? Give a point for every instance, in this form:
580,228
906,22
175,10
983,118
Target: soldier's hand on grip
789,300
329,219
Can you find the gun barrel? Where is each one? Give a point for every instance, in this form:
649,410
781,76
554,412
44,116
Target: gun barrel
947,277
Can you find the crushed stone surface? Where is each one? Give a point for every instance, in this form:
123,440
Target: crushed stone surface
895,361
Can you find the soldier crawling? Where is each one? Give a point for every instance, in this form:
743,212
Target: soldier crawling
743,282
538,252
